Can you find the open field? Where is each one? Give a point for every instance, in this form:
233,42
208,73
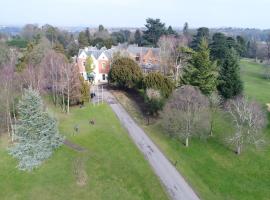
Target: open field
111,167
210,166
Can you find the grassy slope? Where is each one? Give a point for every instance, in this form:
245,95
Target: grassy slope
210,167
112,166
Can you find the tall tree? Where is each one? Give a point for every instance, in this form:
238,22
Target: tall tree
138,37
154,30
202,32
230,84
83,40
186,33
218,46
170,31
201,71
241,46
88,35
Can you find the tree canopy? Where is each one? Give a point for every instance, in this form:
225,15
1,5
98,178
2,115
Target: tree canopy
154,30
201,71
125,73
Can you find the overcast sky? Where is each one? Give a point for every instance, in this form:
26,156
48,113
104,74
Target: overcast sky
132,13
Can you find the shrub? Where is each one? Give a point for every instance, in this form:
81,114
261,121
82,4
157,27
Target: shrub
154,101
159,82
125,73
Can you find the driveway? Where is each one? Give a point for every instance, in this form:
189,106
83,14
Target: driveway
175,184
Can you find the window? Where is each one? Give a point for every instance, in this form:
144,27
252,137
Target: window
137,58
103,77
103,65
83,63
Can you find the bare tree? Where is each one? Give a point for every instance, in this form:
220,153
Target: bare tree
214,103
8,92
170,54
185,115
249,120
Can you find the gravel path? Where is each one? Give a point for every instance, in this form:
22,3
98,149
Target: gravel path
175,184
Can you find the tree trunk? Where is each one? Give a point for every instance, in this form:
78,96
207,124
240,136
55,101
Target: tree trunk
211,128
186,142
238,152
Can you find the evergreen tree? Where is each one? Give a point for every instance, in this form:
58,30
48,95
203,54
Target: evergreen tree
201,71
138,37
88,35
83,40
154,30
241,46
170,31
36,132
218,46
186,30
230,84
202,32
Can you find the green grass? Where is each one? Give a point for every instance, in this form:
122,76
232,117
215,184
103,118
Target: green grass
111,168
210,166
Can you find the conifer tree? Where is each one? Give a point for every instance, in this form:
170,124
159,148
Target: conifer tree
36,132
201,71
230,84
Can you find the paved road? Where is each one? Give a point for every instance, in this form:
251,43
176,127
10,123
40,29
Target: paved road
175,184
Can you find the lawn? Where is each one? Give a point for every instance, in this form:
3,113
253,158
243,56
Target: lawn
210,166
111,167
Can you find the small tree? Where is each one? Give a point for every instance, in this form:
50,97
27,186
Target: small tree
186,113
159,82
125,73
89,68
85,90
248,119
36,132
154,101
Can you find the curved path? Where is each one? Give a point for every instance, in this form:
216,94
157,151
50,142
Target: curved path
175,184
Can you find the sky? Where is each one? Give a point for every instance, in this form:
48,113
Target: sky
132,13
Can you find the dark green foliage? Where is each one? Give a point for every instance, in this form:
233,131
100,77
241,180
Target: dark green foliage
125,73
218,46
138,37
201,71
170,31
159,82
154,102
83,40
241,46
72,49
230,84
88,35
202,32
231,43
18,42
118,37
155,29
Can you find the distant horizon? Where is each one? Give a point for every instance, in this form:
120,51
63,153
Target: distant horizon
139,27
